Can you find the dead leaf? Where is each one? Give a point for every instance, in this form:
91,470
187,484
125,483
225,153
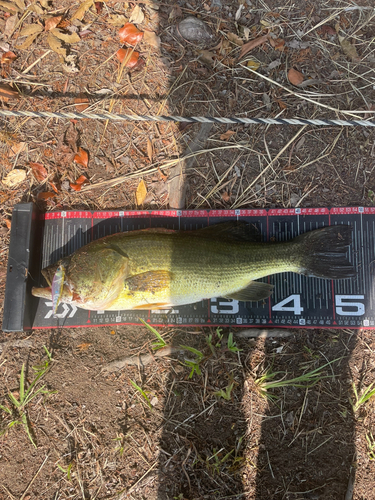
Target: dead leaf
8,223
137,15
277,43
235,39
225,196
227,135
9,7
84,346
51,23
150,149
81,102
82,9
29,40
31,29
79,183
349,49
163,176
130,56
130,34
8,57
14,177
21,4
16,149
10,25
65,37
82,157
152,39
53,186
281,104
45,195
8,92
117,20
254,65
206,57
56,44
40,173
141,192
327,29
99,7
252,44
295,77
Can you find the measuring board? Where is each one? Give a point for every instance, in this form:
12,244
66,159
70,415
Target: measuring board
38,240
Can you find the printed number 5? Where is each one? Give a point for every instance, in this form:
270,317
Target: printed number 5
345,301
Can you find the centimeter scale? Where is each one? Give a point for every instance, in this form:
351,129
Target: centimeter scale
38,240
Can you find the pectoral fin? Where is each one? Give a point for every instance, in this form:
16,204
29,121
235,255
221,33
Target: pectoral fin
151,281
254,291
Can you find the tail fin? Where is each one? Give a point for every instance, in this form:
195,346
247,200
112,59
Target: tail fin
324,252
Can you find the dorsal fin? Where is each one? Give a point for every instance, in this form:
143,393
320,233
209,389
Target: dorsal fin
232,230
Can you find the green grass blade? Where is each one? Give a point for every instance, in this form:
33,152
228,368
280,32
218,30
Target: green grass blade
157,345
139,389
199,354
22,384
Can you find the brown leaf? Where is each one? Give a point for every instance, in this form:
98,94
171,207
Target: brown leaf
99,7
56,44
295,77
82,9
252,44
14,177
29,40
227,135
117,20
129,55
40,173
84,346
206,57
349,49
137,15
163,176
16,149
152,39
66,37
225,196
45,195
150,149
8,223
8,57
10,25
79,183
9,7
8,92
82,157
235,39
141,192
327,29
130,34
81,102
31,29
51,23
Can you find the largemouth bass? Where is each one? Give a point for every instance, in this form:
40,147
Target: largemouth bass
158,268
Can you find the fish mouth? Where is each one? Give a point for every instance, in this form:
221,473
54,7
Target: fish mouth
46,293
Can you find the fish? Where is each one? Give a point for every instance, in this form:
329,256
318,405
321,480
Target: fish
161,269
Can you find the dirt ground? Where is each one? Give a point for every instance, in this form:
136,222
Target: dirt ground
217,434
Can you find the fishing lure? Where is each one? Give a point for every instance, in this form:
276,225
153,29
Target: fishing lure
57,287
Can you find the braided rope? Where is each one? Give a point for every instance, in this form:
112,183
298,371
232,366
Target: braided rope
192,119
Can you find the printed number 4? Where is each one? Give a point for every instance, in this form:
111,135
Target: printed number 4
295,305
